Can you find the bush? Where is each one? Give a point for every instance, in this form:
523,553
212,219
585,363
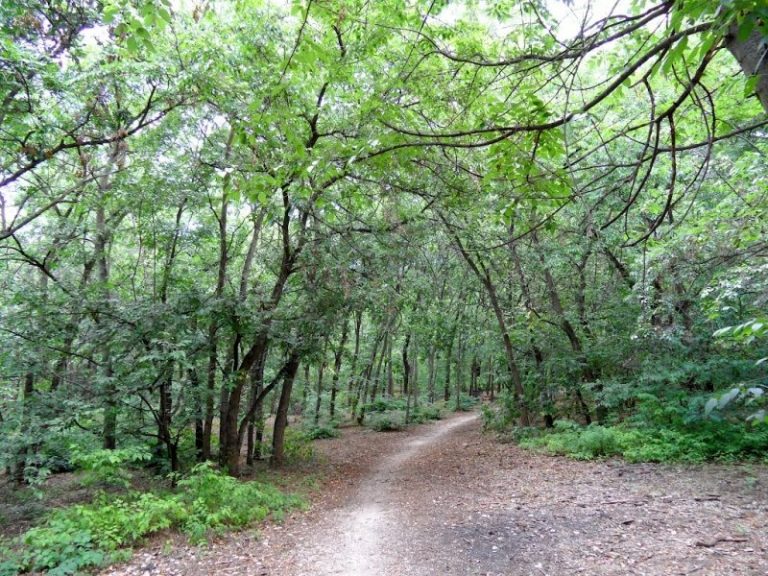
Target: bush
386,421
214,501
467,402
427,412
699,442
321,431
109,466
298,445
591,442
502,415
95,534
385,405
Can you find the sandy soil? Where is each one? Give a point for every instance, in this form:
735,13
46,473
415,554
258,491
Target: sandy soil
446,499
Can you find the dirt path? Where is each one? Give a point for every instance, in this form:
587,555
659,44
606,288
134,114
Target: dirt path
446,499
365,536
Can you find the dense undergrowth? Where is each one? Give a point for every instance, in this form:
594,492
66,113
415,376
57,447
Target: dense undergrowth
658,430
205,503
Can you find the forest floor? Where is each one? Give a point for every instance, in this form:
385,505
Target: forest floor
444,498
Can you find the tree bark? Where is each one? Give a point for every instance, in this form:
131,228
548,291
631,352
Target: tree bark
281,418
752,56
337,359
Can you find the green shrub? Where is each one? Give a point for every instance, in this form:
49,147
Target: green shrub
95,534
467,402
386,421
428,412
321,431
90,535
214,500
501,415
109,466
699,442
297,445
385,405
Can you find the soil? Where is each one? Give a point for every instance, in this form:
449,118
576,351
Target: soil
446,499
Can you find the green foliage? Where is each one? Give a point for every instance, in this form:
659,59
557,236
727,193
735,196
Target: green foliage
591,442
91,535
501,415
467,402
389,421
214,501
298,445
704,441
427,412
321,431
385,405
109,466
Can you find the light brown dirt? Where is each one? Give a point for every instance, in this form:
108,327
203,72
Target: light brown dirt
446,499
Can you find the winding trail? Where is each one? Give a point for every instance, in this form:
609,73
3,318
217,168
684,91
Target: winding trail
444,499
366,536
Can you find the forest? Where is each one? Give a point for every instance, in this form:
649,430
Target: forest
231,228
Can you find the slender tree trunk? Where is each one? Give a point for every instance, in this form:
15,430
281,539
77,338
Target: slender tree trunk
28,391
199,408
318,400
406,365
362,391
305,389
109,429
281,418
213,352
490,385
376,379
448,362
256,421
459,361
390,379
352,384
431,373
165,418
414,380
337,359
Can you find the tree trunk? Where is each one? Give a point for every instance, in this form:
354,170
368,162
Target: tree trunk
406,364
448,361
281,418
255,422
109,429
352,384
337,359
319,399
431,373
752,56
19,470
